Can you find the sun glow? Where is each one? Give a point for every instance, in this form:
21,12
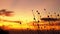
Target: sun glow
14,25
17,18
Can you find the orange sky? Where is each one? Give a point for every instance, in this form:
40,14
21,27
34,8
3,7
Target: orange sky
23,8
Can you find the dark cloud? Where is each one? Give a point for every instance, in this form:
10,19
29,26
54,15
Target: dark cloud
6,13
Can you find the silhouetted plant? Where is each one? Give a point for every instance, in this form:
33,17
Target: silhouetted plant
44,9
58,15
51,16
48,16
37,12
49,12
40,16
33,15
54,12
3,31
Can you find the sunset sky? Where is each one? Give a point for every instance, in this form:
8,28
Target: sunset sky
23,8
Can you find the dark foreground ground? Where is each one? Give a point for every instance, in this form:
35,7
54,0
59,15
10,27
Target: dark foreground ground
34,32
30,32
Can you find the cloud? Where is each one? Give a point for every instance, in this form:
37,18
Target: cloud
6,13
